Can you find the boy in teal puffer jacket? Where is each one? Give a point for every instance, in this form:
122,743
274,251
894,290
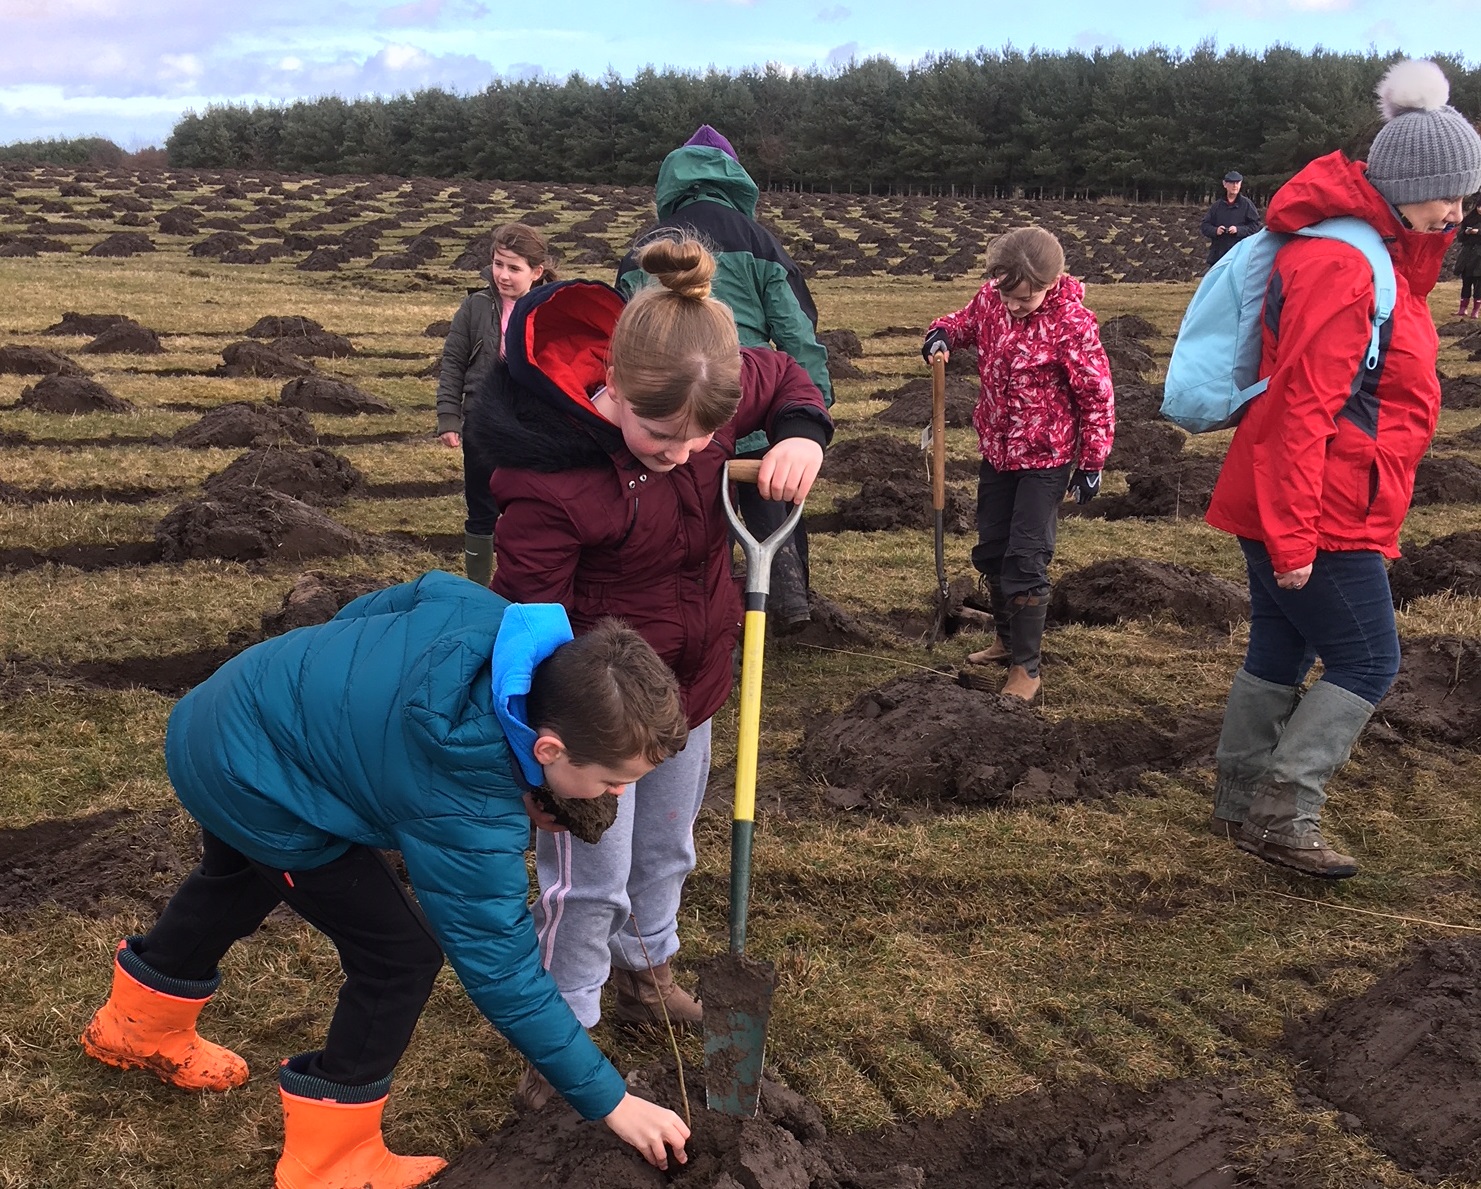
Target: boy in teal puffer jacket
421,718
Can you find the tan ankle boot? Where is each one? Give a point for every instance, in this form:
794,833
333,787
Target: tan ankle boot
642,996
1020,684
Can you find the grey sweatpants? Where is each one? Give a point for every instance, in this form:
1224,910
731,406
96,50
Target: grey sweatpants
590,895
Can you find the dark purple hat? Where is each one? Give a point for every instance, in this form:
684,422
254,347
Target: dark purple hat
707,138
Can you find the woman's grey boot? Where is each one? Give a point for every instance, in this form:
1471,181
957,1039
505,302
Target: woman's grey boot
478,558
1283,824
1254,717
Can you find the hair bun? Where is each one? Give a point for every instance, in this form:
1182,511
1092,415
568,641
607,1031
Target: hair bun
681,265
1412,85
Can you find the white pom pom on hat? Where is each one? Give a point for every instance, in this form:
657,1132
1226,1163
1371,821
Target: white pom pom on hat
1426,150
1412,85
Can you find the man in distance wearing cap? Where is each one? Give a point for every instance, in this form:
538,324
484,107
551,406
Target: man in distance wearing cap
1231,219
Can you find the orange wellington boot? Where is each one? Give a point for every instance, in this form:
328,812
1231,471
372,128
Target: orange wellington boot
338,1145
142,1028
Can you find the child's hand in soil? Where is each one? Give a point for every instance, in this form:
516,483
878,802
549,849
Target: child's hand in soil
543,820
788,470
650,1128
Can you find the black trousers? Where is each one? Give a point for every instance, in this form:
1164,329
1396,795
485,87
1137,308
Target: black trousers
790,579
1469,286
482,510
386,948
1017,517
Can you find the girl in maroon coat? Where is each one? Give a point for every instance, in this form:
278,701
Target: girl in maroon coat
1321,470
1045,420
608,430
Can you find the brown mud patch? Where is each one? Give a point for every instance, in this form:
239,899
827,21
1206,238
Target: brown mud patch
1447,480
245,423
85,325
250,358
911,403
316,597
119,860
315,476
1180,489
833,627
36,361
70,394
252,523
1143,445
82,557
276,326
878,456
125,338
1437,694
886,504
1134,588
924,741
325,394
1404,1059
413,489
1450,563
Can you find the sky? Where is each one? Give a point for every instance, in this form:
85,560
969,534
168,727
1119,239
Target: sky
128,69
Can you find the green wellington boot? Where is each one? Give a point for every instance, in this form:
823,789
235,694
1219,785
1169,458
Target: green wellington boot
478,558
1254,717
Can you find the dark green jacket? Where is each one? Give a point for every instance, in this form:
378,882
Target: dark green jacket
467,356
707,191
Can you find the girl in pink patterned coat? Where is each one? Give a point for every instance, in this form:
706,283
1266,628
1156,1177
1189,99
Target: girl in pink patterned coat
1045,419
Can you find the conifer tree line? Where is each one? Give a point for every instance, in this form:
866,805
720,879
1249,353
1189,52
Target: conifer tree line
1143,121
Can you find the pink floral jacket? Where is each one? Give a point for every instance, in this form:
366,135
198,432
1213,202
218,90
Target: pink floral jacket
1046,395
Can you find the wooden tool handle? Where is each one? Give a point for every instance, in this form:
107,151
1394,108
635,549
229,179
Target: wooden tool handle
938,431
745,470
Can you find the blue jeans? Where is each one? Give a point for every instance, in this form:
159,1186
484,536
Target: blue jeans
1344,614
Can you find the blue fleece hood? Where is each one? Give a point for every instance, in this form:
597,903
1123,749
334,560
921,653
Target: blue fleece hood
528,633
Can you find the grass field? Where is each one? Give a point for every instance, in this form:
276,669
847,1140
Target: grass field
928,963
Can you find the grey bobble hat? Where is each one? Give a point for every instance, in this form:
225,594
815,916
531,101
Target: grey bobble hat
1426,149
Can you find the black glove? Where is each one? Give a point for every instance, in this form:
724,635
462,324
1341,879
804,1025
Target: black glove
935,341
1084,485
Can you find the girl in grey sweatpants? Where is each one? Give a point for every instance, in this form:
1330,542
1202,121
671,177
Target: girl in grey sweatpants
596,900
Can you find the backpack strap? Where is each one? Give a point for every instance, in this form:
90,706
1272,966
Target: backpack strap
1360,235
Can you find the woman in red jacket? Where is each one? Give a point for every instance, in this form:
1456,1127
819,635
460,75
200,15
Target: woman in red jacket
1321,470
608,430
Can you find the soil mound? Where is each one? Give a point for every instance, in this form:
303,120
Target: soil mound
125,338
325,394
1137,403
840,367
1447,480
317,598
1460,392
277,326
251,523
833,627
243,423
315,476
1145,445
1134,588
1130,361
71,394
1450,563
911,403
923,740
885,504
85,324
122,243
249,358
36,361
841,342
1402,1058
1128,328
877,456
1180,490
94,865
439,329
1437,694
785,1147
320,343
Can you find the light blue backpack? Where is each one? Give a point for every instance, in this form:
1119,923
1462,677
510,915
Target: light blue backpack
1215,368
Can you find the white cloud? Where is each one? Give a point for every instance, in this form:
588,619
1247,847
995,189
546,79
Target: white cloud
842,55
418,12
836,12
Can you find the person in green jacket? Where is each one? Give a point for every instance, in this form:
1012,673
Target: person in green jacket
704,189
422,718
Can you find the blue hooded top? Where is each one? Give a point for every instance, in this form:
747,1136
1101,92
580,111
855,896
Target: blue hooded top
400,724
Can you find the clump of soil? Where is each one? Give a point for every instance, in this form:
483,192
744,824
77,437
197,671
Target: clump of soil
325,394
122,243
842,368
439,329
71,394
886,504
911,403
249,358
251,523
1447,480
36,361
924,740
320,343
103,862
125,338
315,476
315,598
587,818
1403,1058
1128,327
877,456
1437,694
85,324
1135,588
244,423
1460,392
1130,361
841,342
1182,490
1145,445
833,627
1450,563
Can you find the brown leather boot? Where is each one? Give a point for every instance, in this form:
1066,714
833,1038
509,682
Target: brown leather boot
532,1091
642,996
1021,684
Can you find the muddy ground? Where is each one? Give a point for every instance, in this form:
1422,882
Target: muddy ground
315,476
1135,588
1437,694
252,523
1451,563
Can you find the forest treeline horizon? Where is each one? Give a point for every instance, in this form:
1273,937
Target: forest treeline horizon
1142,123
